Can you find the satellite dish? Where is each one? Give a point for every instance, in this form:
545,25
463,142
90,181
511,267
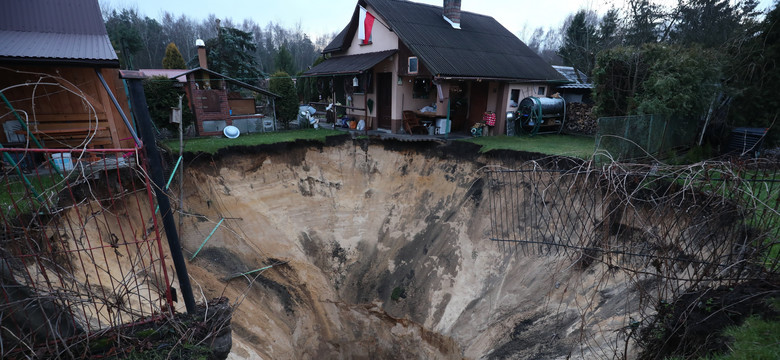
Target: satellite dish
231,132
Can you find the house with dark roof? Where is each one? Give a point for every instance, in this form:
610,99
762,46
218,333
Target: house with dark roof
53,55
399,56
215,101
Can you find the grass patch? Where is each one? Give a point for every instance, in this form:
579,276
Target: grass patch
212,144
566,145
16,197
754,339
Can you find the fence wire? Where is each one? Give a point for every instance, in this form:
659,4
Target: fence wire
710,221
642,136
80,250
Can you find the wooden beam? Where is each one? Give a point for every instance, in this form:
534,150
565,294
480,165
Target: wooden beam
106,102
69,117
99,107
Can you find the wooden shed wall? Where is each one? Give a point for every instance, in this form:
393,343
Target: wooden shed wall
48,95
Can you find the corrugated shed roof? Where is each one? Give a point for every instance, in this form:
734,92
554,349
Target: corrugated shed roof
576,86
581,82
68,30
169,73
481,48
352,64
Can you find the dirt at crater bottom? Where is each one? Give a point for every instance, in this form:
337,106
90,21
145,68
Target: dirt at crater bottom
355,223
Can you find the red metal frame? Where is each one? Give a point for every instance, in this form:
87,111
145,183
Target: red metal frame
86,248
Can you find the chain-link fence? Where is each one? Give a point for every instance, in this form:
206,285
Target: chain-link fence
622,138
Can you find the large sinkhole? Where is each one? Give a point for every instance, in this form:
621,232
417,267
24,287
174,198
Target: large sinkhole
384,250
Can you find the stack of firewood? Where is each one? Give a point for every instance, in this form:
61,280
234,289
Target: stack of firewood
580,119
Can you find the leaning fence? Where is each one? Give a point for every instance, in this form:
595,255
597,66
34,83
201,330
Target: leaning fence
80,250
665,231
709,221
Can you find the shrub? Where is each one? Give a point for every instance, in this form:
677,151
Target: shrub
161,96
287,106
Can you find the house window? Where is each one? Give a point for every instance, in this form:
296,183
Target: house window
413,65
540,91
422,88
514,97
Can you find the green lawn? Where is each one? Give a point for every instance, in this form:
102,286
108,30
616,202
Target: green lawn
576,146
756,338
213,144
18,197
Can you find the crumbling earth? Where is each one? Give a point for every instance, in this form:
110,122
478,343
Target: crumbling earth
381,250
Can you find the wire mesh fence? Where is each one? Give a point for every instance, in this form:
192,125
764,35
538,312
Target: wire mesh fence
642,136
710,221
80,250
666,231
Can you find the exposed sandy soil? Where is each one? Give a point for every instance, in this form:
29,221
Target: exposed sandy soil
386,254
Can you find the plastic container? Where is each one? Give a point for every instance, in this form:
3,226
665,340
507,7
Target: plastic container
62,161
441,126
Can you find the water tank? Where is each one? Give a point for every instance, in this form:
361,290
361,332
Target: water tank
551,107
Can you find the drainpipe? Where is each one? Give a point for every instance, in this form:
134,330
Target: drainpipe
138,99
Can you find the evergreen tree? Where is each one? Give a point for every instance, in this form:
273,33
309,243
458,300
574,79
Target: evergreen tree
124,36
287,106
655,79
755,76
711,23
232,53
173,58
284,60
644,18
608,32
161,96
579,43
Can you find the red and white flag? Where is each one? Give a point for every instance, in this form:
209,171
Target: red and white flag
365,23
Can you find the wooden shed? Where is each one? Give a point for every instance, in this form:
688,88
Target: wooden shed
53,57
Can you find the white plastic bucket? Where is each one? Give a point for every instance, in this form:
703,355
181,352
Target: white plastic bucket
62,161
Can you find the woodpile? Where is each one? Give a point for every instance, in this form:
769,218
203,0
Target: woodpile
580,119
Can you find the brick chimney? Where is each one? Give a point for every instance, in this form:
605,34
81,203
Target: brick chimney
452,12
202,62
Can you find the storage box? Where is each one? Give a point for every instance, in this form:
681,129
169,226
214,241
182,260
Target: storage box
442,125
62,161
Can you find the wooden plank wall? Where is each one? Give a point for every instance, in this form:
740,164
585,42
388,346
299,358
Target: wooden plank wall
48,95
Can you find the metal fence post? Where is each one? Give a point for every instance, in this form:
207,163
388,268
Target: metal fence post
141,111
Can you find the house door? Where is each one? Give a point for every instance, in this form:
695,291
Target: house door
459,105
384,99
479,95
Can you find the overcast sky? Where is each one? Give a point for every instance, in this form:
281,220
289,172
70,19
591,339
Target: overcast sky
326,16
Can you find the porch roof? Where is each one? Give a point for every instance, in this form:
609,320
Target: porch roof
349,65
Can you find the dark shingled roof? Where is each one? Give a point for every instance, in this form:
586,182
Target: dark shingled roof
65,31
481,48
352,64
